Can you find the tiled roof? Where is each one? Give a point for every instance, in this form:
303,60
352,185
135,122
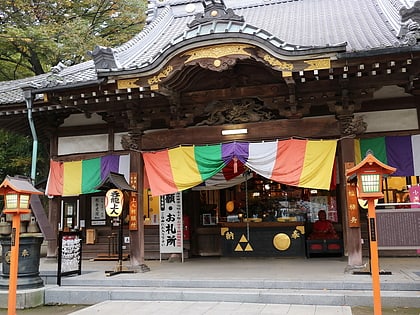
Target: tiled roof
12,91
290,26
287,24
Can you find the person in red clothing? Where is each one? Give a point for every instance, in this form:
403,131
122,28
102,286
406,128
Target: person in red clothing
323,228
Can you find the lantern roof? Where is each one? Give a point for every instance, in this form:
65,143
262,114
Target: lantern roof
114,180
19,184
371,162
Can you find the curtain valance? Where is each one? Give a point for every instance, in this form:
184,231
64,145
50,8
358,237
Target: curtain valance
296,162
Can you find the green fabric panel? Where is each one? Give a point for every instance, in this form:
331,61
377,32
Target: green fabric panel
209,160
377,146
91,175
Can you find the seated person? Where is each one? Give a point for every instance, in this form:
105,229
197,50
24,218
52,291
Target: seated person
323,228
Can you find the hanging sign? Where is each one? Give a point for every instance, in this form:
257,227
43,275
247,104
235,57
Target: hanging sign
353,213
114,201
171,231
134,222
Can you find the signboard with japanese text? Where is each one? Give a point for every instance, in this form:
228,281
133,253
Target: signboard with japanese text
98,214
69,254
114,202
353,213
171,223
398,228
133,216
415,195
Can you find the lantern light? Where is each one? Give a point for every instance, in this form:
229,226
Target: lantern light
14,200
369,173
17,192
369,178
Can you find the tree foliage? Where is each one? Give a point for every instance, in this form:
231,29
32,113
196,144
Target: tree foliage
38,34
16,156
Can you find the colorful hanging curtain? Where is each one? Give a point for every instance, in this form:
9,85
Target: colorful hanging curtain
81,177
302,163
401,152
230,175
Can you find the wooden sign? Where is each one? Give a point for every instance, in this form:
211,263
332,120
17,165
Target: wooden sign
133,215
353,213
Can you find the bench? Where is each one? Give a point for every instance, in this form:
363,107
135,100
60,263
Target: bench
327,247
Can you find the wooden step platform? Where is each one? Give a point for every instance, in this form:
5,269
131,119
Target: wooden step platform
111,257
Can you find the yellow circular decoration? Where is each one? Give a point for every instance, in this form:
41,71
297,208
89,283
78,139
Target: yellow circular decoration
281,241
214,13
217,63
230,206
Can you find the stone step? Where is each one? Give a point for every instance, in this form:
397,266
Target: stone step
91,295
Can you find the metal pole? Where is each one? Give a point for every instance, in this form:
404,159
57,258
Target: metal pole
28,99
374,261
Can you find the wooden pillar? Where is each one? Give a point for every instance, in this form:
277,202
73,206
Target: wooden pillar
53,204
352,235
53,219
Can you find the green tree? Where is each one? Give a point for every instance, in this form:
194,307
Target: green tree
36,35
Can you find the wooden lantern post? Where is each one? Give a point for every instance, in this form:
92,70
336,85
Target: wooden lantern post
369,179
17,193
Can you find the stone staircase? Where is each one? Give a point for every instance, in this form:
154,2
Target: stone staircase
77,291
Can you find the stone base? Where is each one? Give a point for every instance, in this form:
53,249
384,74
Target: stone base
24,298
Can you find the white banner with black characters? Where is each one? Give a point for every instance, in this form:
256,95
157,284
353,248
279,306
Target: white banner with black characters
171,223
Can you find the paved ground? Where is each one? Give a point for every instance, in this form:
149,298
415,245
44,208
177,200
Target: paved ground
404,270
71,309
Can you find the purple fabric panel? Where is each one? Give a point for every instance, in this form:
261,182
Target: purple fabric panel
235,149
399,154
109,163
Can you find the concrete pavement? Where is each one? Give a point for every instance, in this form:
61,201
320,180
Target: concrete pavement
209,308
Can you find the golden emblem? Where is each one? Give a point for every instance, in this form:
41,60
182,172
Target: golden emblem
281,241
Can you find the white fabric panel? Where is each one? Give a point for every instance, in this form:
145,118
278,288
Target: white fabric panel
124,167
82,144
262,157
391,120
117,141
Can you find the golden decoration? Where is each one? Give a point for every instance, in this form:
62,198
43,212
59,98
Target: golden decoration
247,247
25,253
217,51
230,206
282,65
238,248
301,229
230,236
223,231
213,13
162,75
318,64
281,241
295,234
217,63
286,74
127,84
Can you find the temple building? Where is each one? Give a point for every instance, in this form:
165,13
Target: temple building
242,116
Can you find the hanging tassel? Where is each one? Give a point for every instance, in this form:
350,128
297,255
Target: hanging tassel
235,165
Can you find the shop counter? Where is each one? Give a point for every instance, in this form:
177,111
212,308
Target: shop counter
262,239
